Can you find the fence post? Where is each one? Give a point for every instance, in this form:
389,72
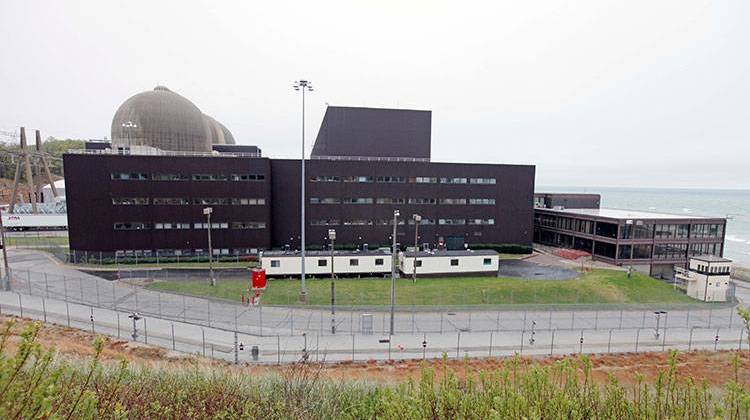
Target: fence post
573,320
291,326
716,339
67,312
260,313
114,296
44,311
145,332
638,335
184,311
549,320
687,318
28,280
203,347
458,345
609,342
46,286
441,321
158,296
118,324
643,321
208,315
236,350
278,350
80,287
739,343
497,323
731,315
596,319
710,315
352,346
523,332
664,337
20,305
135,293
490,352
552,344
620,327
91,317
98,299
173,346
65,286
580,349
690,340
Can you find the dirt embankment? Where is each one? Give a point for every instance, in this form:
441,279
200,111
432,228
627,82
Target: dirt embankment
716,368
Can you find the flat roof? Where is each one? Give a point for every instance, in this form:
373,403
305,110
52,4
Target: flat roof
342,253
710,258
458,253
626,214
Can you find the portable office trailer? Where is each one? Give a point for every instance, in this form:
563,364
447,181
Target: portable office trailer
318,263
450,263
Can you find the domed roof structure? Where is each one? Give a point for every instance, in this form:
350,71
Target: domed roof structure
168,121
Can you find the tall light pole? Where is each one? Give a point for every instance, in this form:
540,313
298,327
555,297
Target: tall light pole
417,220
207,211
302,85
6,266
394,260
332,237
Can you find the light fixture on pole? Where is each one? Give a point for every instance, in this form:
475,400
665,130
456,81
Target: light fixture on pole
394,259
207,211
302,86
332,237
417,220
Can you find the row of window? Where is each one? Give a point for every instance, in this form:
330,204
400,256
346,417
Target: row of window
168,252
638,230
403,179
182,226
145,176
354,262
387,200
389,222
181,201
713,269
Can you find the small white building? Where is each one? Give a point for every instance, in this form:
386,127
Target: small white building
47,195
318,263
707,278
450,263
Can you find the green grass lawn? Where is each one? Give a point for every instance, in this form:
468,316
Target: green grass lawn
598,286
36,240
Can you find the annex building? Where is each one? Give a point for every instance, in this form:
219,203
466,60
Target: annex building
144,193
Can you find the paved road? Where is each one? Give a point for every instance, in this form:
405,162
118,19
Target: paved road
475,332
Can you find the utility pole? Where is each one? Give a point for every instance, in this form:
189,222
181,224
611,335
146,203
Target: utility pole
394,260
417,220
207,211
302,85
332,237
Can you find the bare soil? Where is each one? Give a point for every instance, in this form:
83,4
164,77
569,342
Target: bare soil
716,368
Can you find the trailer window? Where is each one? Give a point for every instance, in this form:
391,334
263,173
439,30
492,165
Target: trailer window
322,263
378,261
488,261
454,262
353,262
275,263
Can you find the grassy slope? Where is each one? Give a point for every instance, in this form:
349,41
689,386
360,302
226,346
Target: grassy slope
598,286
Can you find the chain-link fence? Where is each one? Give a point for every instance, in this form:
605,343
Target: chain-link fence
237,346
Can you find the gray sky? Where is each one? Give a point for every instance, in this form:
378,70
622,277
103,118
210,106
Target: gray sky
649,93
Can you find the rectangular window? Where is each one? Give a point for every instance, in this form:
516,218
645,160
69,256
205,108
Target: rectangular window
324,222
213,225
244,177
391,179
353,262
132,226
322,263
482,201
325,178
452,221
487,261
378,261
482,181
358,179
424,221
171,201
422,201
325,200
454,262
418,263
130,176
169,177
481,221
248,201
358,201
452,201
275,263
357,222
453,180
211,201
248,225
130,201
209,177
390,201
423,180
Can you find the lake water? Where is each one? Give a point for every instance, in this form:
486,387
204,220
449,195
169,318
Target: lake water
732,204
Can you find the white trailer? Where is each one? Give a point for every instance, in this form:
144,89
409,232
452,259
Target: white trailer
318,263
450,263
19,222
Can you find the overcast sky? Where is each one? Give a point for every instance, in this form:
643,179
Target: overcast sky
652,93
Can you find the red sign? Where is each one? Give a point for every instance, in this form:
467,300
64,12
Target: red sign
258,278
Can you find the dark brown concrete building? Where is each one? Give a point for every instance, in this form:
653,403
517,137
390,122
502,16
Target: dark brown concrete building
125,203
